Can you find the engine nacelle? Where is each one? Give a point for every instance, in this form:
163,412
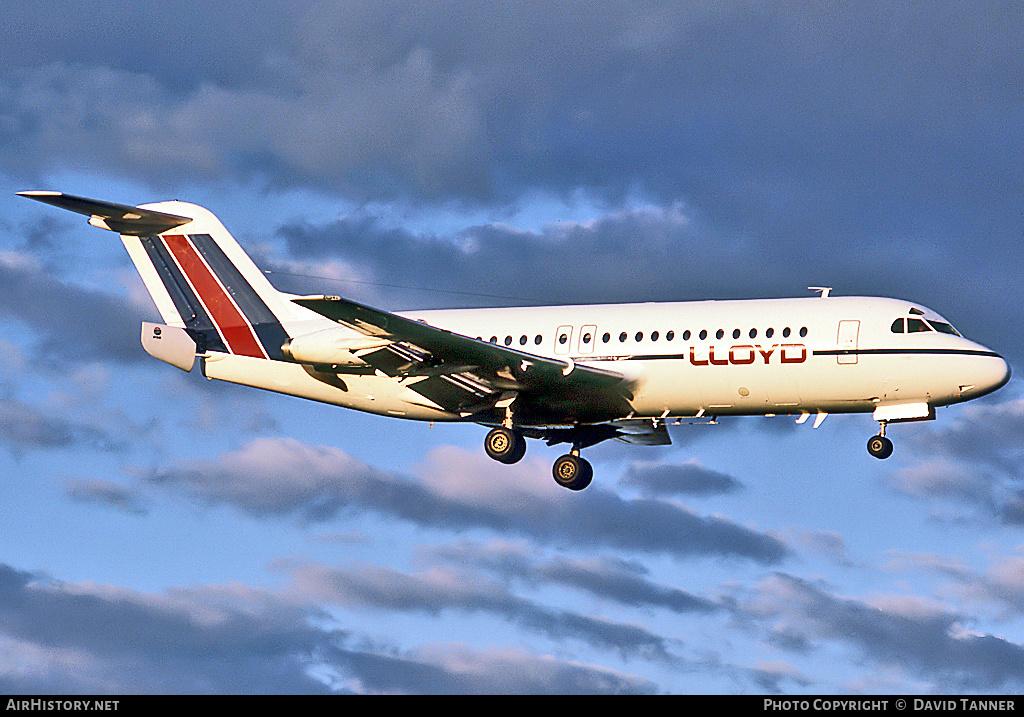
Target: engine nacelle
330,347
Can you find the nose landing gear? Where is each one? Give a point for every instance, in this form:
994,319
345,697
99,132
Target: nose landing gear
879,446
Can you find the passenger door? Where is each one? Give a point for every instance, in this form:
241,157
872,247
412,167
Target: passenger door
847,341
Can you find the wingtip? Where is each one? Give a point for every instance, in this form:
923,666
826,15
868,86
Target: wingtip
39,193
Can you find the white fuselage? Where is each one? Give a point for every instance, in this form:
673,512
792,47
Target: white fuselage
740,357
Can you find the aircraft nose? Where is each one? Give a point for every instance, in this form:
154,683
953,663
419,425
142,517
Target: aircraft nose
988,373
1002,374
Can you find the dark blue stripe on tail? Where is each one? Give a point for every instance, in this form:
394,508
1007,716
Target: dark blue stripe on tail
197,322
268,328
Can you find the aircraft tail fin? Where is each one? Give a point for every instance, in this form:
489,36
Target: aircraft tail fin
199,277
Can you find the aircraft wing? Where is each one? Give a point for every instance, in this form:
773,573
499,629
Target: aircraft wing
466,375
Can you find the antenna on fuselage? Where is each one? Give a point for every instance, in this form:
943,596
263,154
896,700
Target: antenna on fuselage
823,289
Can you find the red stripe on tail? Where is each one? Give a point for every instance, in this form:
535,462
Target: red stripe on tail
239,336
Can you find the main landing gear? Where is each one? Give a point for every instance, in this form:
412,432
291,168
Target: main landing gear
879,446
508,446
505,445
573,471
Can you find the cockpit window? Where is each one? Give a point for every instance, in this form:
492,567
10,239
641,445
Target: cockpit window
915,325
943,327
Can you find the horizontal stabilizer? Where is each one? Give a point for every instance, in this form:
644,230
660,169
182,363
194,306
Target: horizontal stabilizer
115,217
170,344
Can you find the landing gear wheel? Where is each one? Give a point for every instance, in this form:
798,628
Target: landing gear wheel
573,472
505,445
880,446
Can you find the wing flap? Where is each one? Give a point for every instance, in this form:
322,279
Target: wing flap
642,432
637,431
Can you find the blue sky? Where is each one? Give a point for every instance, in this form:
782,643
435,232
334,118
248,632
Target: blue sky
162,533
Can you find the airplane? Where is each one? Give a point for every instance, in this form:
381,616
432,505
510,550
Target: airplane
577,375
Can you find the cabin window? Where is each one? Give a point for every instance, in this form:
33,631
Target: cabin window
897,326
508,340
606,338
562,338
639,335
753,333
494,339
786,332
622,337
586,338
522,340
703,334
538,339
686,335
803,331
719,334
769,332
670,335
735,333
654,336
916,326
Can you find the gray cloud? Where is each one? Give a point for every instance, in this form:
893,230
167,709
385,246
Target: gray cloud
405,124
784,132
132,642
1001,584
972,461
931,641
763,112
989,434
689,478
83,638
24,427
591,262
623,581
456,669
441,590
283,477
107,493
73,323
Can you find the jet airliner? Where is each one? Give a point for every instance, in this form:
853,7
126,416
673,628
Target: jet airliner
576,375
